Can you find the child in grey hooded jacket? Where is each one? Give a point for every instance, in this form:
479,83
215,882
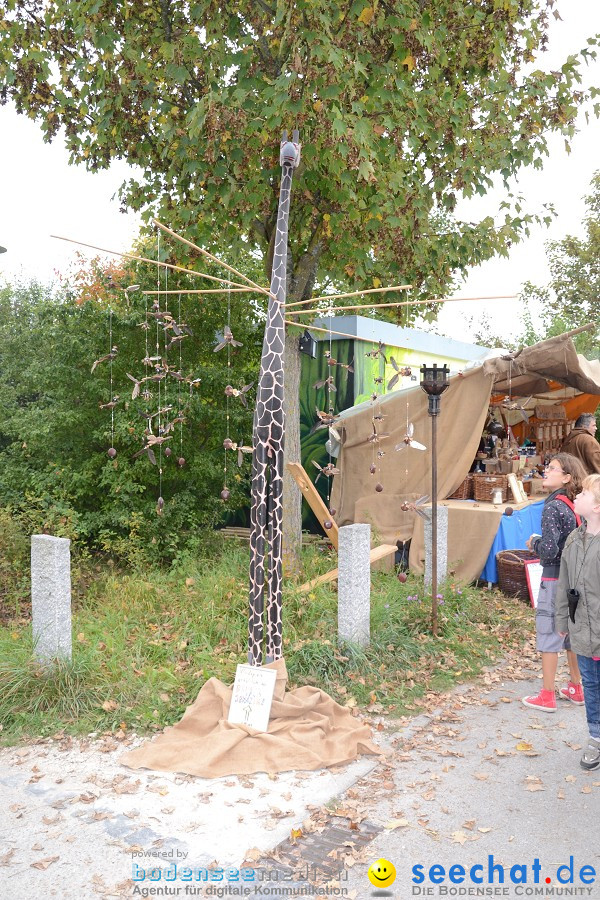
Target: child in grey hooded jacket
578,607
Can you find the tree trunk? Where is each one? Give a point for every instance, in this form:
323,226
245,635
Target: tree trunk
292,498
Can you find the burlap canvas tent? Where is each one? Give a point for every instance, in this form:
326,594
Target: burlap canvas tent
543,368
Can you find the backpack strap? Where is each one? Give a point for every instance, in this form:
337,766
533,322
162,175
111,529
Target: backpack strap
569,503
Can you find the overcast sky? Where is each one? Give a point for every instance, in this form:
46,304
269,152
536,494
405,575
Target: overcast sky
43,195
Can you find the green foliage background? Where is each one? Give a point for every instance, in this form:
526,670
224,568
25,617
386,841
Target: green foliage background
55,475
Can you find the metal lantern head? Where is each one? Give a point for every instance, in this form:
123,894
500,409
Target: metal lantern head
434,382
308,345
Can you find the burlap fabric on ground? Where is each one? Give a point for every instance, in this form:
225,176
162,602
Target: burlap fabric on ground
307,730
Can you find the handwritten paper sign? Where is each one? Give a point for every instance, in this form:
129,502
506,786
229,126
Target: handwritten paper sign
533,571
252,697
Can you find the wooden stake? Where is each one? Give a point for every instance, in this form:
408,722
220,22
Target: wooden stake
398,287
210,256
153,262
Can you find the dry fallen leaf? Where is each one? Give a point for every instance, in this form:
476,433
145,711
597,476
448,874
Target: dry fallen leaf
5,859
396,823
586,789
570,778
469,825
110,705
561,795
44,863
481,776
484,830
459,837
523,746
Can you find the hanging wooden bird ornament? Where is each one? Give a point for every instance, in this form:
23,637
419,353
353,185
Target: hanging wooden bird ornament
108,358
414,506
329,470
405,371
408,440
235,392
227,339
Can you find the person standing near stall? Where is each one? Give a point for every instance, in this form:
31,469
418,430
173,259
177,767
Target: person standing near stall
563,476
581,442
578,607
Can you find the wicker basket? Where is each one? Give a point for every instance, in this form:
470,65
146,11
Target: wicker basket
464,491
512,578
485,485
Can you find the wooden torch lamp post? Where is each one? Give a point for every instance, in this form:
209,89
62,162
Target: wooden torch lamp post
434,382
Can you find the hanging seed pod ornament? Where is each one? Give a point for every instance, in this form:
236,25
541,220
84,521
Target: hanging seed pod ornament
228,444
379,487
111,453
181,462
372,468
225,494
402,577
168,452
332,511
160,503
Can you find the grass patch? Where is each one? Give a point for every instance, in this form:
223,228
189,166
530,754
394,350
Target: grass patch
144,644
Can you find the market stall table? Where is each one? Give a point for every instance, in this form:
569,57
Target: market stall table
472,530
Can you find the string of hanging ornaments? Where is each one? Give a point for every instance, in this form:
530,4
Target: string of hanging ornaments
157,368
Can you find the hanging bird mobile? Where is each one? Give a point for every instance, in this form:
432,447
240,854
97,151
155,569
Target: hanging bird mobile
376,436
238,392
328,383
111,404
107,358
409,441
228,339
414,506
329,470
377,352
325,420
403,372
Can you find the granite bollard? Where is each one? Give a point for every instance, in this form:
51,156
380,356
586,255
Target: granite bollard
51,597
442,544
354,584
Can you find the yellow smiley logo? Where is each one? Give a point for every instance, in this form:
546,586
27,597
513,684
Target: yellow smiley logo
382,873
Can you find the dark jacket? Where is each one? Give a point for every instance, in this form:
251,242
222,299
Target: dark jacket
585,447
580,570
558,521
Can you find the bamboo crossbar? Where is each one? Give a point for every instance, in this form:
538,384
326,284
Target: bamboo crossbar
366,306
153,262
351,337
381,290
224,265
223,290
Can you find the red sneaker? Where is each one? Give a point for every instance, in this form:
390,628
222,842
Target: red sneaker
545,701
572,692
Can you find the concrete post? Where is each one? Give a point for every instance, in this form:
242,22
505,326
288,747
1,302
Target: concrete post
51,597
354,584
442,545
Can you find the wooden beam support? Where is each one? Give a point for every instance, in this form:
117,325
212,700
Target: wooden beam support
314,500
377,553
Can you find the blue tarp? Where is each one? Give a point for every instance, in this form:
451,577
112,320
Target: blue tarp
512,533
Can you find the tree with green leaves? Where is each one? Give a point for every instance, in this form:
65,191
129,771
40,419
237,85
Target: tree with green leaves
55,473
403,106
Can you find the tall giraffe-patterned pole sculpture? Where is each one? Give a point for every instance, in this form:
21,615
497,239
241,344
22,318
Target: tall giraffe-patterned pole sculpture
266,512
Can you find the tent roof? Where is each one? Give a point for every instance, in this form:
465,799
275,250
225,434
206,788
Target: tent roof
532,369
